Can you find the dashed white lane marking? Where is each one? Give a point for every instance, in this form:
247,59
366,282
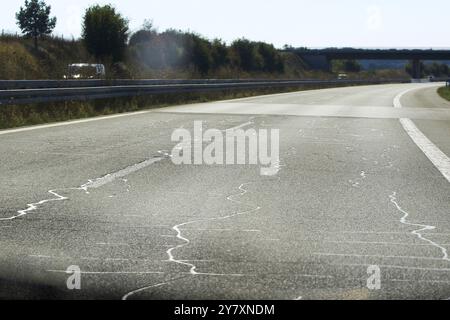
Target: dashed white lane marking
422,227
68,123
97,183
249,123
440,160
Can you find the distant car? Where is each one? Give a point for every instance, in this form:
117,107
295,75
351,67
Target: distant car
431,78
85,71
342,76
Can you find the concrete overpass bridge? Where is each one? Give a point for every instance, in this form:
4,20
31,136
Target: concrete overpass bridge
323,57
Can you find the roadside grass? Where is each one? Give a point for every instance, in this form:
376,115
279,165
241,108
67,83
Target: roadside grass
444,92
33,114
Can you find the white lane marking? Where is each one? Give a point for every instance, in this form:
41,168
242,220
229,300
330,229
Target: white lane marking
67,123
96,183
422,227
240,126
397,102
440,160
374,256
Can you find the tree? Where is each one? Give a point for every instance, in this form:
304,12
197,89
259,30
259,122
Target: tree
247,54
219,53
201,54
145,35
105,32
271,57
34,19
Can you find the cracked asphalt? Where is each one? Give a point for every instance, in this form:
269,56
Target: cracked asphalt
353,190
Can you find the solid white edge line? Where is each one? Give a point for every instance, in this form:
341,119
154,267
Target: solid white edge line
439,159
67,123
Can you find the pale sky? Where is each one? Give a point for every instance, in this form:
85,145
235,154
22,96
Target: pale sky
312,23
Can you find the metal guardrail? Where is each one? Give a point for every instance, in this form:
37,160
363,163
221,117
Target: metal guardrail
41,84
29,91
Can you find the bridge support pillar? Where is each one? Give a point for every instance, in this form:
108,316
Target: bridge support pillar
416,69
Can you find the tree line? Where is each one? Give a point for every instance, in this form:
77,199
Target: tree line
107,37
178,49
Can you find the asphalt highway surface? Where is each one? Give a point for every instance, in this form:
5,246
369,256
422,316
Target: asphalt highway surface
362,184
